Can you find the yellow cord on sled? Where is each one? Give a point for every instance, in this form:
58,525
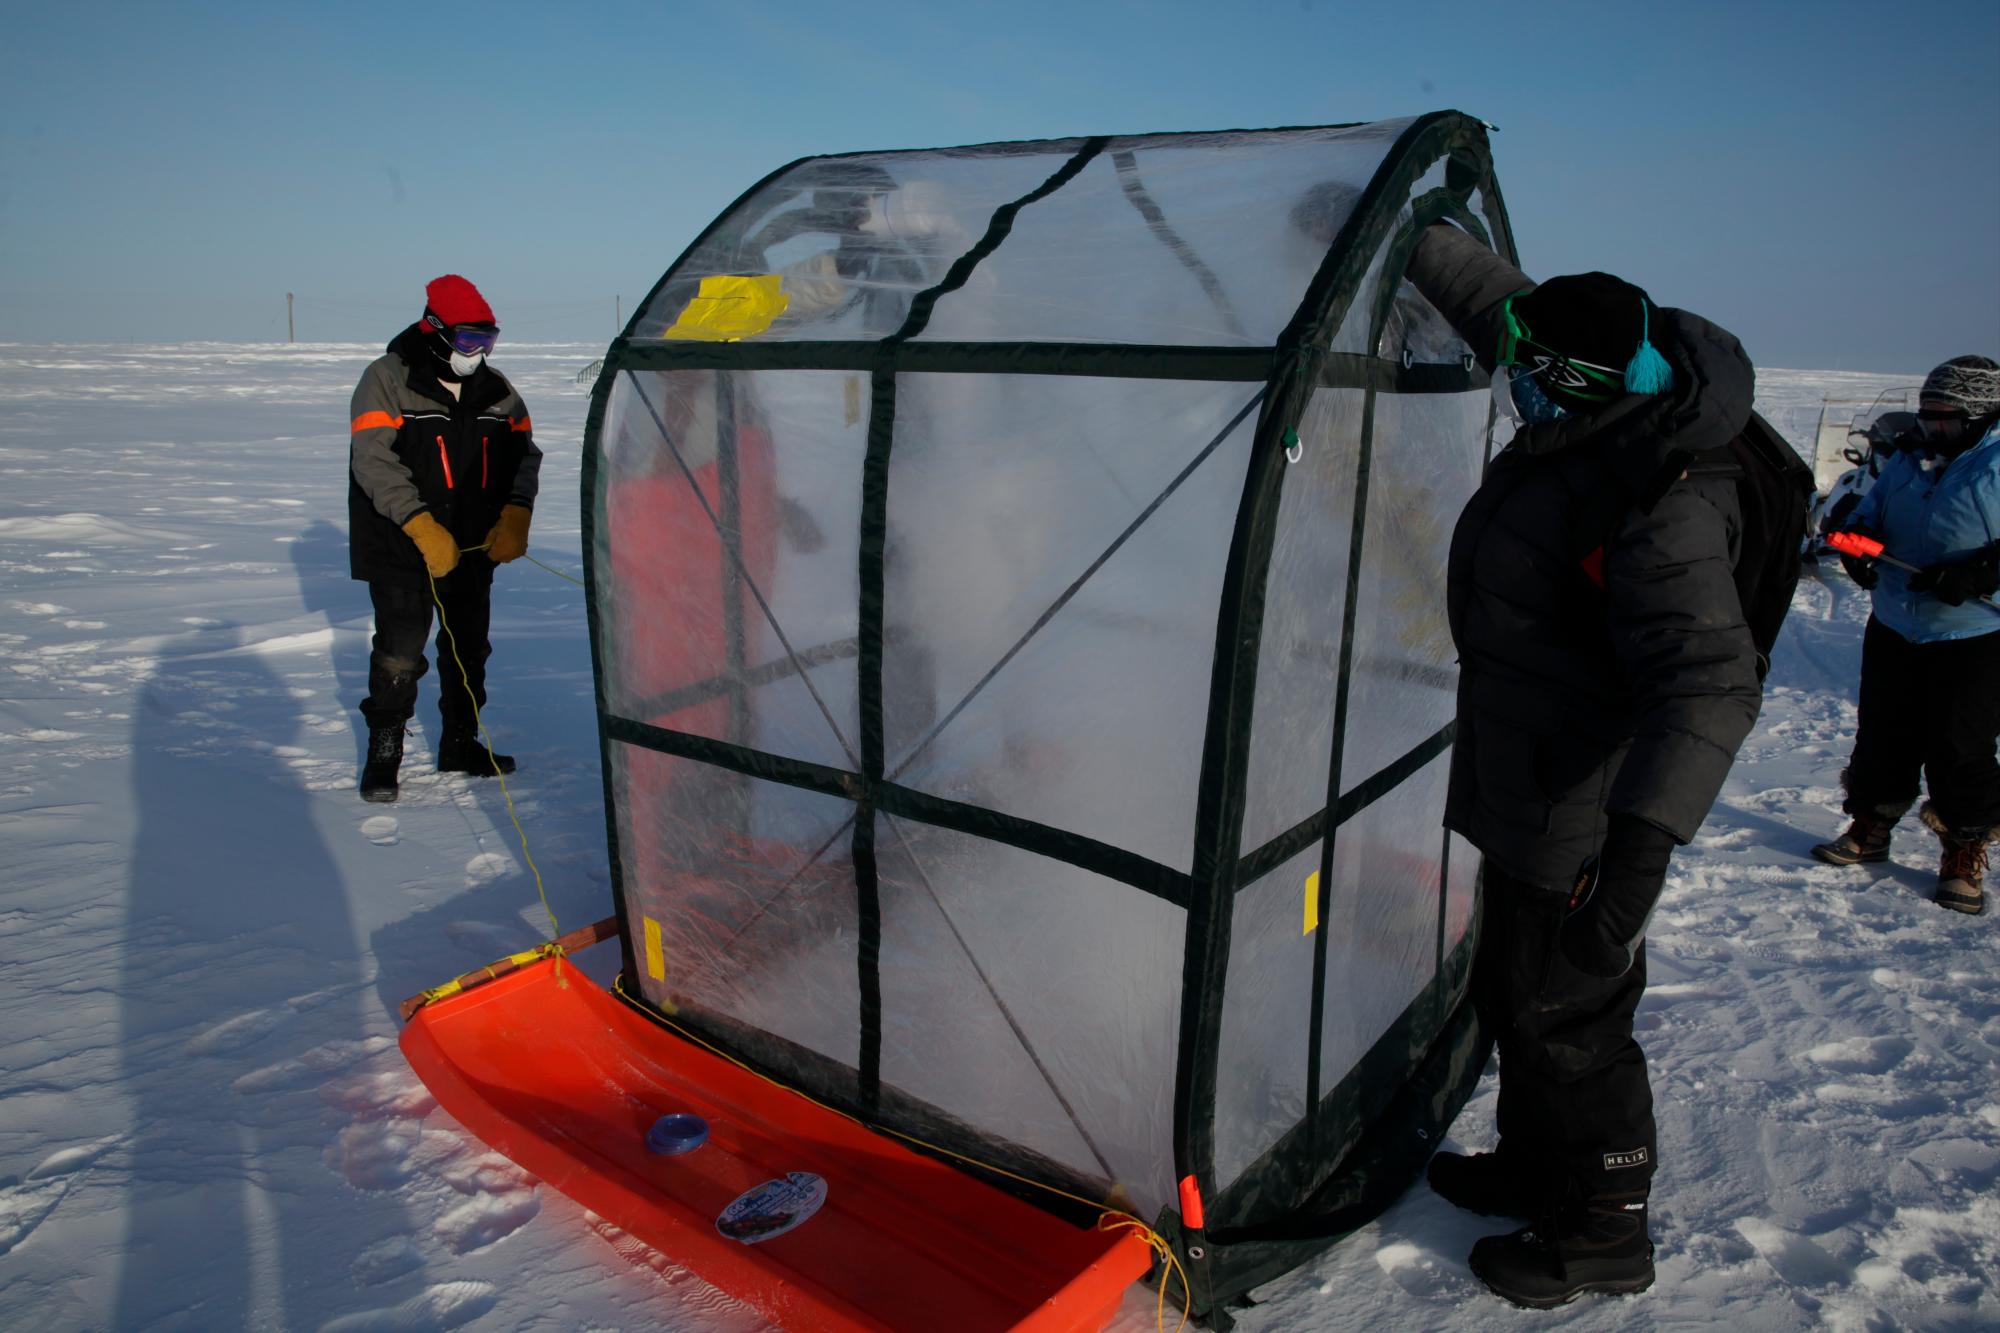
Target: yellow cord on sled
451,641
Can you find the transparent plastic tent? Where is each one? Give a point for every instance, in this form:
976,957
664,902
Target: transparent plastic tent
1017,592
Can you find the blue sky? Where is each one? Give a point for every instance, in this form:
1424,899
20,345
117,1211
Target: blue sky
1823,179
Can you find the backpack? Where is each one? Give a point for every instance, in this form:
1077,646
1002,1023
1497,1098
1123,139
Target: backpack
1774,490
1775,493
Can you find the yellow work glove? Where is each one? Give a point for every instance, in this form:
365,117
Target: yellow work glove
440,552
509,538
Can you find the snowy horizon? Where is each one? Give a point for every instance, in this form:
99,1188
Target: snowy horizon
205,1122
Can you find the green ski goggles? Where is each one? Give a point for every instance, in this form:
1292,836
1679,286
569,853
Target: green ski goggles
1583,380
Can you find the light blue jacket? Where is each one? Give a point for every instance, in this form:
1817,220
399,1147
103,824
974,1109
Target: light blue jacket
1933,516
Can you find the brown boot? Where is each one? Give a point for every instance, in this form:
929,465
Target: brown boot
1866,839
1962,867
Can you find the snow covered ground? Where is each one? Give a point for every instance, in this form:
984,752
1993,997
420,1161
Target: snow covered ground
204,1120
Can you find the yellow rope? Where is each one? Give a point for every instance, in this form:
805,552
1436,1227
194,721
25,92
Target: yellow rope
553,570
451,641
1109,1218
522,959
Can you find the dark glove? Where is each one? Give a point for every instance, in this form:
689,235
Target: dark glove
1863,572
1954,584
1615,897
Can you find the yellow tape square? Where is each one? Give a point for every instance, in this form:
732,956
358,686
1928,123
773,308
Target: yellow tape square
1312,903
656,958
730,307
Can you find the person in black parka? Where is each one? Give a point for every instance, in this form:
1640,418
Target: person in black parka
1608,676
441,481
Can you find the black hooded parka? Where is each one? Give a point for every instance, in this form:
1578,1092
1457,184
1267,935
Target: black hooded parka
1605,666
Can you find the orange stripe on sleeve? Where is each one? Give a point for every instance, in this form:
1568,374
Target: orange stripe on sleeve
519,423
372,420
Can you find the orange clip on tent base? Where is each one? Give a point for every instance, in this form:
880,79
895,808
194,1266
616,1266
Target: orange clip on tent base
566,1080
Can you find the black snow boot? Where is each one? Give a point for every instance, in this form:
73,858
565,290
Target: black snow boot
1962,868
1866,839
385,756
1598,1244
1488,1183
461,751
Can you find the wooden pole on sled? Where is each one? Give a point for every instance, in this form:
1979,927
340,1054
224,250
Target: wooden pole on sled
581,938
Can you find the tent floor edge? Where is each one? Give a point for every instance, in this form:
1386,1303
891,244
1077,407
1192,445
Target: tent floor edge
1389,1159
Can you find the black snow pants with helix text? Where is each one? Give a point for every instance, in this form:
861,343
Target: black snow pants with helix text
403,627
1575,1109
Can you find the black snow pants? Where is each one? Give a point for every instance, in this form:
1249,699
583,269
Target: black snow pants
1575,1105
403,627
1933,707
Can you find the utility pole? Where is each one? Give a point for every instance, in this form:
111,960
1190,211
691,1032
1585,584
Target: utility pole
291,332
617,313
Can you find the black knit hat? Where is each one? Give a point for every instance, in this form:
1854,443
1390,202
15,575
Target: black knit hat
1597,319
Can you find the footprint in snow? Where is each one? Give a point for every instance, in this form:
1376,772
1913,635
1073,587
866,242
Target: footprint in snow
446,1305
68,1160
385,1261
485,1219
1422,1273
380,1095
326,1058
234,1034
1797,1260
1861,1055
382,1154
487,867
24,1206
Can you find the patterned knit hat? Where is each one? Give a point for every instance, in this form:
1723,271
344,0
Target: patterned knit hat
1968,384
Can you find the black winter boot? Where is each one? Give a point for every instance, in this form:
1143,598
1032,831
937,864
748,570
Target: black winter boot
1598,1244
1866,839
385,756
1962,868
461,751
1489,1183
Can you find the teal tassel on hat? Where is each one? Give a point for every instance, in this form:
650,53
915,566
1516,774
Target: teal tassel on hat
1647,371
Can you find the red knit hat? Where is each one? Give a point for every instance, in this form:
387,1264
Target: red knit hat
456,301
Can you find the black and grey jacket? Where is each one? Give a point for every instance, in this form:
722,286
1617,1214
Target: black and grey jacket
413,447
1605,665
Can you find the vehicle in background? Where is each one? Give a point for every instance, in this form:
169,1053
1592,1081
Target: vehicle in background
1856,437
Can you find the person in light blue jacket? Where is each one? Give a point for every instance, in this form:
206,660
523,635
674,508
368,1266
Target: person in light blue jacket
1930,660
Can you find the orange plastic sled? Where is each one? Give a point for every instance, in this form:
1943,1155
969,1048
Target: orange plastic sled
566,1080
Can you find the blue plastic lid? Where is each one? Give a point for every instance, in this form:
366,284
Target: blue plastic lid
672,1135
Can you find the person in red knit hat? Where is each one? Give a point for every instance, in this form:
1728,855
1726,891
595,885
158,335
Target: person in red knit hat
442,472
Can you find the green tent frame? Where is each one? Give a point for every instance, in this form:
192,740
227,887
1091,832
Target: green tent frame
1368,1135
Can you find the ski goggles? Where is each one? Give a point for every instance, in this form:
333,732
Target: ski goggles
470,340
1583,380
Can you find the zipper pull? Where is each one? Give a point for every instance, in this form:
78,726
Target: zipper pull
445,458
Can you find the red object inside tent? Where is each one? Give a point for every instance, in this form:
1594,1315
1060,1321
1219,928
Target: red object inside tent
566,1080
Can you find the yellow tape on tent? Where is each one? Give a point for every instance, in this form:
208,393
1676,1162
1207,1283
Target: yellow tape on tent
730,307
